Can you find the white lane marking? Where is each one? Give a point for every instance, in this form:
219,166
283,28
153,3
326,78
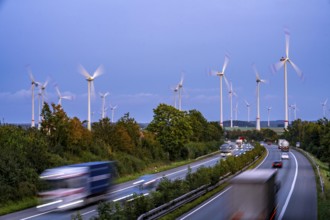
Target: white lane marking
124,197
205,204
119,190
221,192
86,213
33,216
291,190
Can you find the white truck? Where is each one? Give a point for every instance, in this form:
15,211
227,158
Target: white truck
283,145
253,195
75,185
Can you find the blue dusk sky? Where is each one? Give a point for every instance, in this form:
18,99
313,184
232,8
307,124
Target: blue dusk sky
146,45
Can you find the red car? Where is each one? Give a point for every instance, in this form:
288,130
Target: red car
277,164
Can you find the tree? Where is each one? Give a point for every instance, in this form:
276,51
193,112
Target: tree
172,129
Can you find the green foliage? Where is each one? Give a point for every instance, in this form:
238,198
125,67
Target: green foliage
313,137
172,129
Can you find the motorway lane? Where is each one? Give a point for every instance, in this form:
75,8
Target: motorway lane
118,191
303,203
295,201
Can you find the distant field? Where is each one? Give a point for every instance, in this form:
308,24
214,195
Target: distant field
278,130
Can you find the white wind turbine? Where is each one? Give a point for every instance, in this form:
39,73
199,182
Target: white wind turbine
180,86
231,93
324,107
277,66
103,95
33,85
221,75
113,108
90,80
248,110
41,96
175,90
268,113
60,96
258,80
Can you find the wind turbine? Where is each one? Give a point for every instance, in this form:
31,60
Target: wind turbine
258,80
248,109
90,80
268,111
231,93
103,103
41,95
283,62
113,108
60,96
33,85
324,107
221,75
180,86
175,90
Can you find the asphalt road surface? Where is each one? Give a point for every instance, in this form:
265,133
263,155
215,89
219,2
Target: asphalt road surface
297,197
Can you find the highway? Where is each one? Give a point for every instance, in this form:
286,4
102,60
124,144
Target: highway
297,197
118,192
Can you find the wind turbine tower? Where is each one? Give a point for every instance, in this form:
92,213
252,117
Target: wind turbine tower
324,107
113,108
268,112
277,66
180,86
258,80
248,110
90,87
221,75
103,103
231,93
175,90
33,85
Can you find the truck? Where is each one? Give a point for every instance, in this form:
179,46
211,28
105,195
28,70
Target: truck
283,145
253,195
75,185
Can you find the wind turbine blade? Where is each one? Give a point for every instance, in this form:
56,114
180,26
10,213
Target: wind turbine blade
106,94
83,72
67,97
30,73
181,81
298,71
213,73
256,71
225,63
325,102
227,83
45,84
98,72
57,91
287,41
277,66
246,103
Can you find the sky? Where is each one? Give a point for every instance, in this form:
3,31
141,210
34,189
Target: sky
146,46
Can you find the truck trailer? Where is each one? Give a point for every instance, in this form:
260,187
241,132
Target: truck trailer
253,195
76,185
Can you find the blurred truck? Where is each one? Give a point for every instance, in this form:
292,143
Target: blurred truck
75,185
253,195
283,145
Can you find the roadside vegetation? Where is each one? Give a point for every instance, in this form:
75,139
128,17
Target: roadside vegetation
173,137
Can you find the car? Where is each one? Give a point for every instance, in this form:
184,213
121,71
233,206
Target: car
285,156
277,164
147,181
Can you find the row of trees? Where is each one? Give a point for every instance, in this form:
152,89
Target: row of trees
172,135
313,137
168,190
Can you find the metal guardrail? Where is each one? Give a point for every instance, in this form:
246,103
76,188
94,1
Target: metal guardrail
315,165
188,197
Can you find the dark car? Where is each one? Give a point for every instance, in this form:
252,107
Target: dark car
277,164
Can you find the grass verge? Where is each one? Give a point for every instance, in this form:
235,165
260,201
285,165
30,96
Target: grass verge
16,206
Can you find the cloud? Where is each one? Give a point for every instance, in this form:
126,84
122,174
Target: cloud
21,94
